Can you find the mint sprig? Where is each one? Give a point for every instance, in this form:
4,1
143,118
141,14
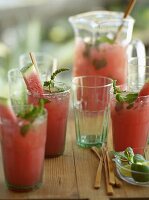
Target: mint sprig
30,115
50,83
125,156
128,156
128,98
123,96
98,41
104,39
99,63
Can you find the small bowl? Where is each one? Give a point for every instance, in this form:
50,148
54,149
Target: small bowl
136,173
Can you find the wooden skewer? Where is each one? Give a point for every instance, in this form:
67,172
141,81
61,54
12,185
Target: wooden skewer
108,185
34,62
95,150
129,8
118,183
32,57
97,183
126,13
110,169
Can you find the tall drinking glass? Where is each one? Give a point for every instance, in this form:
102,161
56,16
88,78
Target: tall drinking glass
91,104
23,149
130,122
57,105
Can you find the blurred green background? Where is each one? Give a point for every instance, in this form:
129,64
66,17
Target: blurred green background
42,25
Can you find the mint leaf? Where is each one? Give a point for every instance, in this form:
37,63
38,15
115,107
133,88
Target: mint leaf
129,154
126,97
42,102
46,83
100,40
123,96
24,129
116,88
31,114
120,98
98,64
104,39
50,83
86,52
125,156
131,97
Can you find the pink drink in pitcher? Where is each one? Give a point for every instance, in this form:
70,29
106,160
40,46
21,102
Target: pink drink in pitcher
105,60
100,48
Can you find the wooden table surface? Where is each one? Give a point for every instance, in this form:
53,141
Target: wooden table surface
72,176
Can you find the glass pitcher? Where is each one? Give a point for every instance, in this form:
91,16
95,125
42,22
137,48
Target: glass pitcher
102,39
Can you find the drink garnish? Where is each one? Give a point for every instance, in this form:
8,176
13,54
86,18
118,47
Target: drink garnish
104,39
125,156
98,64
30,115
123,96
86,52
100,40
32,79
136,164
50,83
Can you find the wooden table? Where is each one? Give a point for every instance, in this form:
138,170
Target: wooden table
71,176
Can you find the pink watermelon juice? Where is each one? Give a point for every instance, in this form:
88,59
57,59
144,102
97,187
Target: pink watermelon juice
57,123
23,149
130,125
57,105
104,59
56,101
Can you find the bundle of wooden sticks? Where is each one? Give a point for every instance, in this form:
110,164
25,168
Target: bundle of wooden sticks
110,177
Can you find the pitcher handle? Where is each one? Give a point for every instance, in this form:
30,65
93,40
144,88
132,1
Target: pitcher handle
136,49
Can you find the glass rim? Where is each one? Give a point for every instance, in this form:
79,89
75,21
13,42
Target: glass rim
96,77
119,15
67,89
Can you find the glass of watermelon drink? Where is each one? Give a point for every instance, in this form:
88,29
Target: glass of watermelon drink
23,137
57,105
91,103
17,87
130,117
56,98
99,50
